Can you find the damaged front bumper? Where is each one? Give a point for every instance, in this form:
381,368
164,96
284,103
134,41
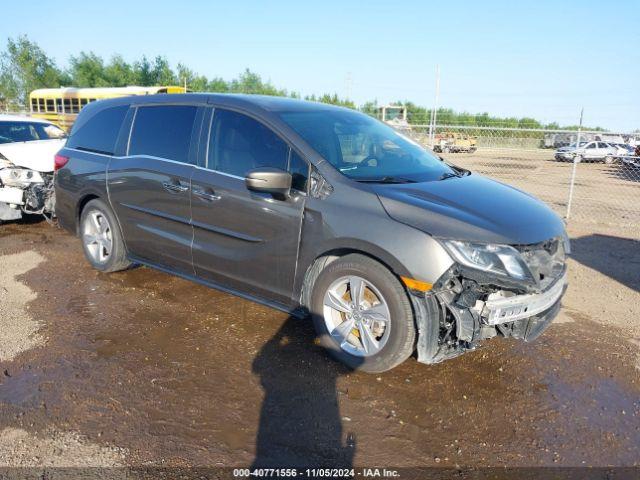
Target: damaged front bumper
460,312
25,191
503,309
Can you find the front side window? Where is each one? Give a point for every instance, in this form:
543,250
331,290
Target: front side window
98,133
363,148
239,143
163,131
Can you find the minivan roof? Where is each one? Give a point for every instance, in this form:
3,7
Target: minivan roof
246,101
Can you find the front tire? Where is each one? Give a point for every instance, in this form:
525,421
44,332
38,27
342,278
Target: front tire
362,314
101,238
608,159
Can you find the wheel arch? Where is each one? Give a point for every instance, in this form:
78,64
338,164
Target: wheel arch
82,202
332,252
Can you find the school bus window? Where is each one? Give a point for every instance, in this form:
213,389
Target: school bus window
51,106
83,102
34,104
75,106
41,105
67,105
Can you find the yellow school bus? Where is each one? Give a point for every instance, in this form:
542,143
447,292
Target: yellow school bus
62,105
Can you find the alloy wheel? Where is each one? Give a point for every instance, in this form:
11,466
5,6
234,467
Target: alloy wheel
97,238
357,316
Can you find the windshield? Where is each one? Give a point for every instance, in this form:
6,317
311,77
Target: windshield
365,149
11,132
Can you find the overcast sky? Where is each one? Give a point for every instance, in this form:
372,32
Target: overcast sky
544,59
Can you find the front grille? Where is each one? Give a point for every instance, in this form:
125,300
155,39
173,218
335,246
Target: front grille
545,260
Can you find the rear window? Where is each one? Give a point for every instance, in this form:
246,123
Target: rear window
163,131
99,133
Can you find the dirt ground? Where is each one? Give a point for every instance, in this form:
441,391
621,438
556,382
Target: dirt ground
140,368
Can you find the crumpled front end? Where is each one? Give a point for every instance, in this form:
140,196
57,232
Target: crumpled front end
23,190
467,306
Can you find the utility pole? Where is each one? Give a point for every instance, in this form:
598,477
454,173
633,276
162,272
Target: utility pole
575,164
434,112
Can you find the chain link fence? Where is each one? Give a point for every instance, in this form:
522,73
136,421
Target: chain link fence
599,186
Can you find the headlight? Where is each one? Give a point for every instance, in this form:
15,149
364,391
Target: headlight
566,243
19,177
499,259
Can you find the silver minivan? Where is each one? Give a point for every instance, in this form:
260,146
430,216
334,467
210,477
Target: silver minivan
316,210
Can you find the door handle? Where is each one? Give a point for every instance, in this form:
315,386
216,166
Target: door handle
204,195
174,187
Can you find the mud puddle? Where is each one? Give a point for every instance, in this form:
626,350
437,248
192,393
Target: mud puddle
176,374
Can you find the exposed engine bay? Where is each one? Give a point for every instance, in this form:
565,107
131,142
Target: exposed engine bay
467,306
25,191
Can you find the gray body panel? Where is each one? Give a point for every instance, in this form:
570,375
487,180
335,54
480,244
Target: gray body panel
154,219
472,208
262,247
246,240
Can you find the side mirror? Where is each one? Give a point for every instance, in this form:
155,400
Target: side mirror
269,180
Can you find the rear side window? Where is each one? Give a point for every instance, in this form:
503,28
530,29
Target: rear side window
163,131
100,132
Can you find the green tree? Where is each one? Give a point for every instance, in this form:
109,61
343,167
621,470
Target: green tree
88,70
332,100
118,72
24,66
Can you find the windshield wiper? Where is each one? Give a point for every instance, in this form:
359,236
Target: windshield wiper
386,179
446,175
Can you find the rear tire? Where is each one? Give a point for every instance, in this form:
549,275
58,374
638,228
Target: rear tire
101,238
385,290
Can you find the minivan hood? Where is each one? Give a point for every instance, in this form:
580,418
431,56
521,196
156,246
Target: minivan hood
36,155
471,208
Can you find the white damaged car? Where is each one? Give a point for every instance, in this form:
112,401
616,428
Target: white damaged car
27,150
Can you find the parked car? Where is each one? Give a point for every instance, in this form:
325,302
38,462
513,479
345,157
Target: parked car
315,210
632,160
27,149
455,143
587,151
622,149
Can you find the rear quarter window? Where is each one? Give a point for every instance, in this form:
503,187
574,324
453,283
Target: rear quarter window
163,131
98,133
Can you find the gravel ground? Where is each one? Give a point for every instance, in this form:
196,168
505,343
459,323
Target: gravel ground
18,330
142,368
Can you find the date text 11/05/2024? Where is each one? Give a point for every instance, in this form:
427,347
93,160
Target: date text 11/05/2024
316,472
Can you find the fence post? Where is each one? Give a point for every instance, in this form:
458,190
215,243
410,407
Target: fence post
573,171
434,112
